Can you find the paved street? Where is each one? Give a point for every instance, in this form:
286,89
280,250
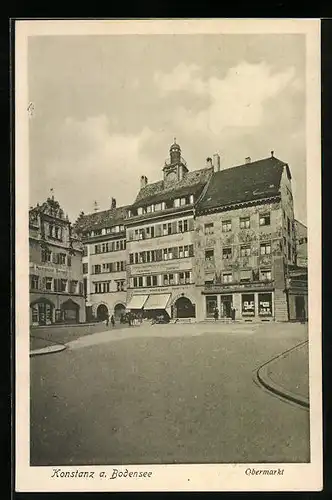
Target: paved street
165,394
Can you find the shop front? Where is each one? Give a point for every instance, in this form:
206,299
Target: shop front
150,306
246,306
42,312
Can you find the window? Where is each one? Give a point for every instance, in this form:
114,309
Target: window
97,248
165,279
97,269
244,222
265,304
265,275
226,226
191,199
181,278
69,260
183,201
186,250
227,253
245,251
248,304
48,283
140,281
97,232
50,230
157,207
264,219
106,268
73,286
56,232
85,268
46,255
122,265
85,251
185,226
120,286
104,247
131,258
165,254
208,228
181,254
34,282
209,255
177,202
265,248
245,275
227,277
154,281
63,285
171,279
187,276
148,280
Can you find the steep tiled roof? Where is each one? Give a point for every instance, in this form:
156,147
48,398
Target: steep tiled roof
99,220
243,183
157,191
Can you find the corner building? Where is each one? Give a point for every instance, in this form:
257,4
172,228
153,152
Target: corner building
160,233
56,278
245,242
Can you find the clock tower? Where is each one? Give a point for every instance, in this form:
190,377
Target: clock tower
175,167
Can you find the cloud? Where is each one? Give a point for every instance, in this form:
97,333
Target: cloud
98,163
237,100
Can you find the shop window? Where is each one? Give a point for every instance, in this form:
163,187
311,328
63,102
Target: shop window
265,304
226,226
211,305
265,248
245,250
248,304
227,253
264,219
244,222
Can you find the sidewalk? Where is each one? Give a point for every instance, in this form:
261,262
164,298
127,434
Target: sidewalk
288,375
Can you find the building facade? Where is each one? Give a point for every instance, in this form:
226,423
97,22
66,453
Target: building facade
104,261
56,278
160,233
197,243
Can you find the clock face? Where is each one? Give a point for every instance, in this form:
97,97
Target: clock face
172,176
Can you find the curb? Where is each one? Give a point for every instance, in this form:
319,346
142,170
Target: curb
48,350
264,379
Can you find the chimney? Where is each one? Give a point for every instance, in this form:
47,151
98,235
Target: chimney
272,154
248,159
113,202
216,162
209,163
95,206
144,181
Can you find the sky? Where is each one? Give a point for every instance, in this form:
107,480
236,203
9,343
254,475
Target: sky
107,108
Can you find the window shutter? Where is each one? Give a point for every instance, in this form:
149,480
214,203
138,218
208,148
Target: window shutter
158,230
43,283
191,250
174,227
159,255
190,224
175,253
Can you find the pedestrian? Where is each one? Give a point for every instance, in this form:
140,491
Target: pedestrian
216,314
129,319
233,313
107,318
113,321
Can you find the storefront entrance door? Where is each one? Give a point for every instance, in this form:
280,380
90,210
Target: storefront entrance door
299,307
226,306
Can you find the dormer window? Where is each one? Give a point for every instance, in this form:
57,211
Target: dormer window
157,207
177,202
183,201
191,198
140,211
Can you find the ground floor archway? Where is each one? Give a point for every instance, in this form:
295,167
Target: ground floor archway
70,311
119,310
42,312
183,308
102,312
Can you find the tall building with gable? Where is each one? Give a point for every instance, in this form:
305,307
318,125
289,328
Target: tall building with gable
56,278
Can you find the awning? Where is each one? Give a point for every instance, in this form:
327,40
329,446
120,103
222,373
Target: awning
157,301
137,302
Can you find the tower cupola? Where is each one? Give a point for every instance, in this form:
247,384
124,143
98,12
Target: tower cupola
175,152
